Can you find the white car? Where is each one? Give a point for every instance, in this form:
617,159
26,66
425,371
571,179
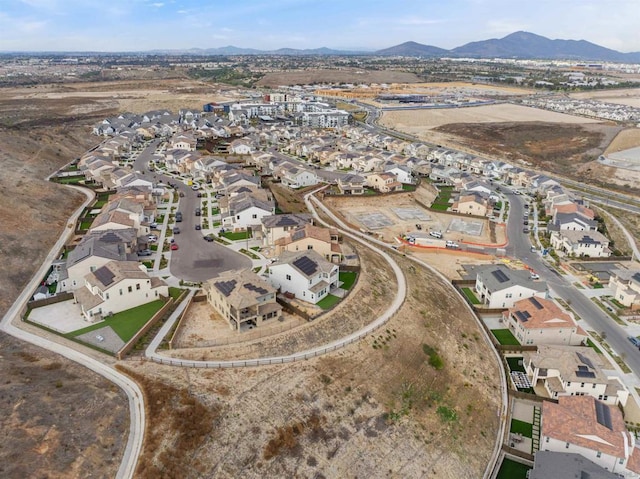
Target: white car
435,234
534,275
152,238
452,244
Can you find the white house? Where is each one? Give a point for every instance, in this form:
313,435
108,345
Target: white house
246,211
573,371
500,287
584,425
295,177
118,286
625,287
403,173
541,321
592,244
305,274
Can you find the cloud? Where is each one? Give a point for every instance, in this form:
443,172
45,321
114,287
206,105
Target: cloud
157,4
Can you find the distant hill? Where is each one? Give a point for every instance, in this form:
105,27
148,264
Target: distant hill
413,49
530,45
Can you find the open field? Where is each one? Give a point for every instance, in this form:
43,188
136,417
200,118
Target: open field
418,122
625,140
375,409
628,96
344,75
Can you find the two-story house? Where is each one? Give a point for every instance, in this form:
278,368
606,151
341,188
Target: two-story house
243,299
498,286
118,286
625,287
592,244
572,371
305,274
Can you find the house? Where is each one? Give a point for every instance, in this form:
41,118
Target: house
296,177
592,244
541,321
275,227
548,464
241,146
472,203
500,287
625,287
183,141
351,185
586,426
309,237
572,222
573,371
243,299
246,211
118,286
96,249
305,274
383,182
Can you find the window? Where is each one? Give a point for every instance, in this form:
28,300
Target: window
254,216
288,277
581,385
598,454
120,291
509,295
593,386
129,289
566,446
310,246
107,295
138,286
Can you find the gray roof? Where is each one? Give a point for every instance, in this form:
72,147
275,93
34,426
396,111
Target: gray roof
92,246
498,277
275,221
564,218
563,465
308,262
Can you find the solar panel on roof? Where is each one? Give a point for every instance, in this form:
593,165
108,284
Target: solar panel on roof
603,415
523,316
585,360
104,275
306,265
226,287
636,276
499,275
257,289
536,303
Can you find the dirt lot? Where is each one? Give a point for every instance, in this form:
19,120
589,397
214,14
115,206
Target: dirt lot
626,139
352,209
53,417
375,409
344,75
630,96
419,122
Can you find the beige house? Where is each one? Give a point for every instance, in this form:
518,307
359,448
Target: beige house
324,241
351,185
118,286
471,204
242,298
625,287
384,182
541,321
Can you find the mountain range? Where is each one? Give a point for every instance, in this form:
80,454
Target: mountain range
523,45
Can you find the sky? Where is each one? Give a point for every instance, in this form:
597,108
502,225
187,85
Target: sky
138,25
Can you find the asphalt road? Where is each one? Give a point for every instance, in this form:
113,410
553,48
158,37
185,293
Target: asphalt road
519,247
196,259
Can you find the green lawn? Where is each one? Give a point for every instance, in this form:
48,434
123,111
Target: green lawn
175,292
505,337
100,203
70,180
406,187
512,470
522,427
470,295
127,323
514,366
328,301
440,206
348,278
85,224
240,235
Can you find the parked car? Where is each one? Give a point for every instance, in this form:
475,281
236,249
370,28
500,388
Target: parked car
418,226
199,194
435,234
534,275
152,238
195,187
208,238
635,341
198,227
153,226
182,194
176,230
452,244
525,230
174,246
178,217
145,252
198,212
526,222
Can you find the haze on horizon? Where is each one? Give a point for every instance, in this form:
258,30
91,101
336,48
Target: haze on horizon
139,25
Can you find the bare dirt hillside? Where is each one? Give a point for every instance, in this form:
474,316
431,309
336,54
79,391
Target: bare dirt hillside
54,413
405,402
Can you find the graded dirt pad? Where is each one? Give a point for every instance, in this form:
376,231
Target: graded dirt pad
551,146
624,140
346,75
59,420
379,408
625,96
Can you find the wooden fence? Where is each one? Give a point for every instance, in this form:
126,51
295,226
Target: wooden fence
152,322
174,335
58,298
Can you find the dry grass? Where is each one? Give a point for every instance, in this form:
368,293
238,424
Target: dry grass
344,75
